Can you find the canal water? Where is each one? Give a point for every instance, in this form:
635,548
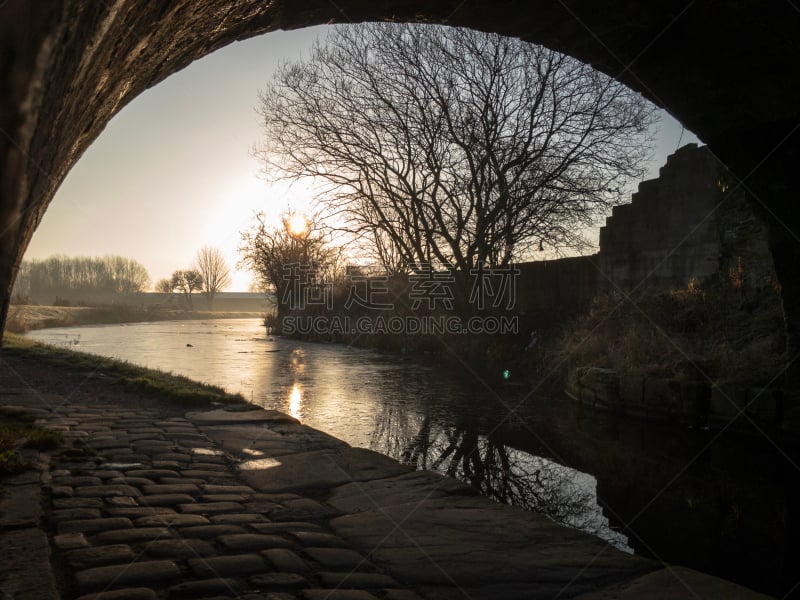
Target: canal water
723,505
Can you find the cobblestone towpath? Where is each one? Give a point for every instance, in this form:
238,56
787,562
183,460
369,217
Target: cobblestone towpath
146,501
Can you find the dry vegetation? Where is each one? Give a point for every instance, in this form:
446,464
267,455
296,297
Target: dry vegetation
17,431
24,317
727,330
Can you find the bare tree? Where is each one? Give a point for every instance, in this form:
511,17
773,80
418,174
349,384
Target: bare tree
451,145
126,275
187,282
272,251
164,286
211,264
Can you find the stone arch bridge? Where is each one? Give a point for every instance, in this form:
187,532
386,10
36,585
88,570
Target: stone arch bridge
727,69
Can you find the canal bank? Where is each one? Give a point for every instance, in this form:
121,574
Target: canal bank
155,499
23,318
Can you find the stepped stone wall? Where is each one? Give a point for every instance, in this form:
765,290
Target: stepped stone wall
691,223
668,233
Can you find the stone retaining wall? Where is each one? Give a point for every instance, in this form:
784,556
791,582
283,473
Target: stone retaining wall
685,402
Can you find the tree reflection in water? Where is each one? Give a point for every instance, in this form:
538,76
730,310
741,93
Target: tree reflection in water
496,470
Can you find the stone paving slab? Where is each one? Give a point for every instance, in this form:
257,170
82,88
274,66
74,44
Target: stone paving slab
285,527
228,417
70,541
205,587
674,583
211,531
323,470
125,594
133,536
92,525
279,581
181,548
238,519
167,500
269,441
84,558
249,542
22,556
282,559
171,520
236,564
343,594
100,491
22,508
66,503
73,513
357,580
132,573
471,543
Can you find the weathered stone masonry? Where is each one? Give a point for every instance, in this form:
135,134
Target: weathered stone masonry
692,222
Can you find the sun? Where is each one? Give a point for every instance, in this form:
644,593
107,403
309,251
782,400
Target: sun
297,224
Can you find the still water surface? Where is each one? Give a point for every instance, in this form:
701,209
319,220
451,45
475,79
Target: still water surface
723,506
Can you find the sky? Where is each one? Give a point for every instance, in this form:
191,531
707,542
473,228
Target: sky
174,171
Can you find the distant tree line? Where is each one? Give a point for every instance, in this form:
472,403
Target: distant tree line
71,275
83,278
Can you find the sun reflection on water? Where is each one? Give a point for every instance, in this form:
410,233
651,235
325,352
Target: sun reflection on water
295,402
297,361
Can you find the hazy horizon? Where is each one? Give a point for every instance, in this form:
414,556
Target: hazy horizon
173,171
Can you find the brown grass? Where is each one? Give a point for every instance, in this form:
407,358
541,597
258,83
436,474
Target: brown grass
23,318
729,331
17,432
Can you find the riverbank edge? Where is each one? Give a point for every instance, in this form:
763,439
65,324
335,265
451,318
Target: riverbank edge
450,500
25,317
120,375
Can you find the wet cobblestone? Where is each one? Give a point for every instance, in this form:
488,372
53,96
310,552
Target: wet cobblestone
159,511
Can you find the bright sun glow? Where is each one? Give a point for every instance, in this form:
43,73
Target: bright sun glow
240,198
298,224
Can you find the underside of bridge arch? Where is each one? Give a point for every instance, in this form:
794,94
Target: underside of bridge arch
726,69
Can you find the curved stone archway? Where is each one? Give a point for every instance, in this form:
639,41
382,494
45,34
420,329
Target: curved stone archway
727,70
